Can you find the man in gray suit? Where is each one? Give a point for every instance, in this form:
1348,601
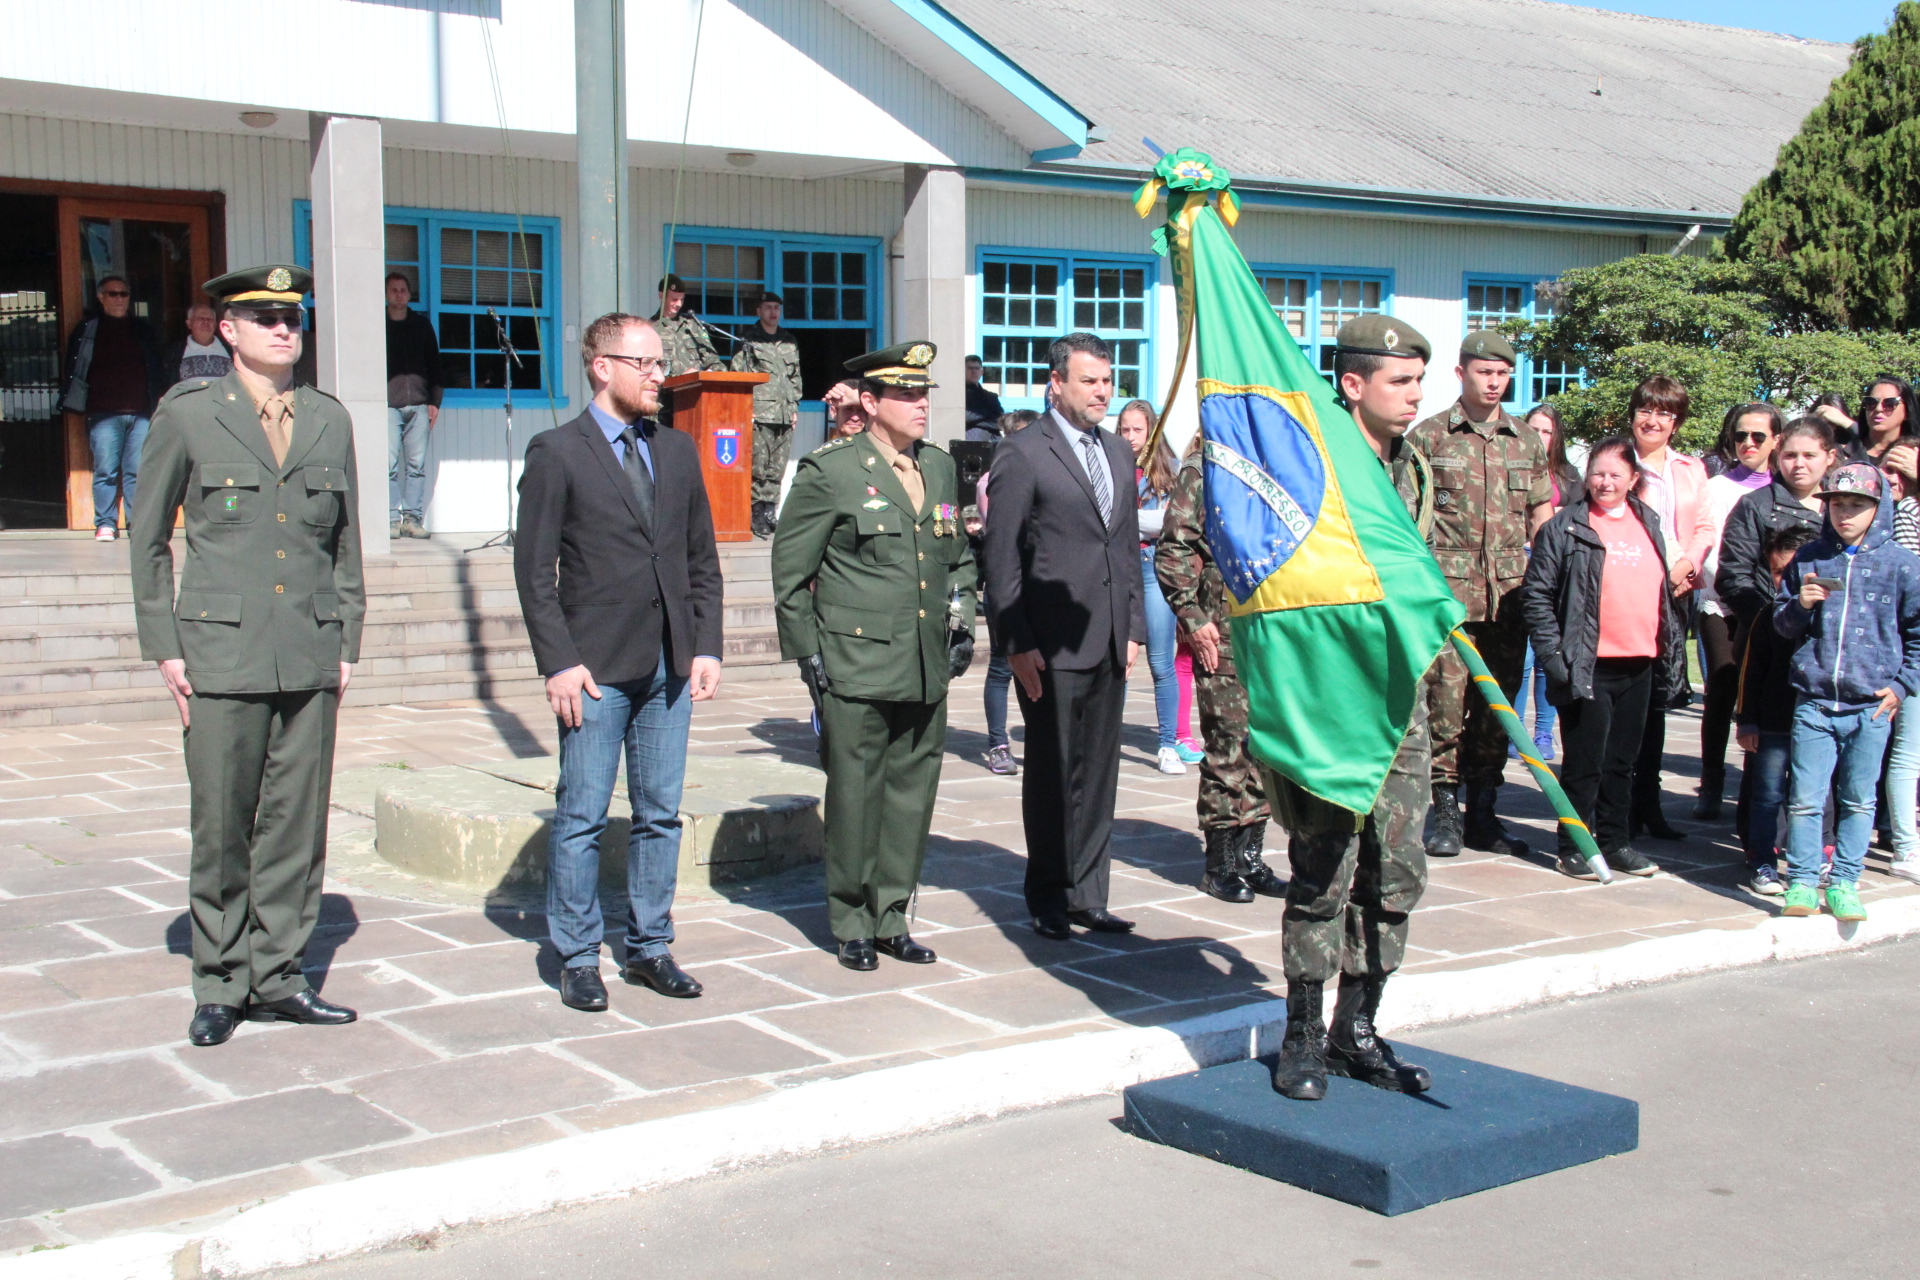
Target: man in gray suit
258,646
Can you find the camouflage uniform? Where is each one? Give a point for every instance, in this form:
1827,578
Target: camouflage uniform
1356,879
774,401
688,349
1486,477
1231,794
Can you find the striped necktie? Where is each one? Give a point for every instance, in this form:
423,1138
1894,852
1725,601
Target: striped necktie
1098,473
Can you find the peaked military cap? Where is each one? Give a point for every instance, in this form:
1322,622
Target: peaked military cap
1485,344
902,365
277,283
672,284
1380,335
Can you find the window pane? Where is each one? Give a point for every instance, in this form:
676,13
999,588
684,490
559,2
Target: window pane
490,288
853,304
456,285
1021,313
993,311
796,304
1133,315
1046,314
1047,279
720,261
490,371
826,268
686,260
1020,277
1083,316
793,267
826,304
456,246
403,242
996,277
456,330
750,262
853,268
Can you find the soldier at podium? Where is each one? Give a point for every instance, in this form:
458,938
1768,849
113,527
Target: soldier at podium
870,571
684,338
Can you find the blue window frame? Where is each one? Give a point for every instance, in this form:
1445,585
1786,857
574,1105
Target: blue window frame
1313,302
463,266
829,286
1491,300
1030,297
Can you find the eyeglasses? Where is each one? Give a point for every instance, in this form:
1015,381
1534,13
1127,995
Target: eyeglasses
1655,415
1752,437
645,364
1888,403
115,293
294,318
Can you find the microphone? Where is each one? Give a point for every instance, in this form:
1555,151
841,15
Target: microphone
501,329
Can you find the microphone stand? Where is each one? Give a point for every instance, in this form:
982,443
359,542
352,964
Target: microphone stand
513,362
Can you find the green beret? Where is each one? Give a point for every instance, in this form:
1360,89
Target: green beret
902,365
672,284
1487,345
274,284
1382,335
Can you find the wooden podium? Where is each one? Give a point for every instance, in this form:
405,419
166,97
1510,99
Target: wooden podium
716,409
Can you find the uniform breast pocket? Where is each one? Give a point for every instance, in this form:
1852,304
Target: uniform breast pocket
230,492
1519,480
1449,485
209,624
326,489
882,536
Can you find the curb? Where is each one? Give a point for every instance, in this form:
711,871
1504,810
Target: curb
331,1221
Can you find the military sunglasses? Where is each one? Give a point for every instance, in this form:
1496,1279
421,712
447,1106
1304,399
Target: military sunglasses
294,318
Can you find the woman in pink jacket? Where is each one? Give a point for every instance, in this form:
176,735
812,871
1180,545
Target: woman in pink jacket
1675,486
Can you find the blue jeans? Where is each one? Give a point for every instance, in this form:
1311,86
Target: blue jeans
999,676
116,440
407,443
1843,749
1163,635
648,720
1767,768
1903,780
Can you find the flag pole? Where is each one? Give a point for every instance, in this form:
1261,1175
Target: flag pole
1570,823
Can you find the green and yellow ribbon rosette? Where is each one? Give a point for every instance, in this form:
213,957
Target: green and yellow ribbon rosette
1192,182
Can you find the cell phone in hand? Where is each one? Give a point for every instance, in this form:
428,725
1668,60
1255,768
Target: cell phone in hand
1829,584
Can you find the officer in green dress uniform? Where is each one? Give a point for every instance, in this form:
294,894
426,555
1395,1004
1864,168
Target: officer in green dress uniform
257,646
871,572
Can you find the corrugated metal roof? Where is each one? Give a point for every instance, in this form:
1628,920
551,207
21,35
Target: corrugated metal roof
1478,97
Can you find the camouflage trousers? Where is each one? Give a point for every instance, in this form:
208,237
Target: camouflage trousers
1231,794
1469,746
772,442
1352,889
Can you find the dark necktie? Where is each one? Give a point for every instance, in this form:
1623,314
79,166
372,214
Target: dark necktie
1099,474
638,476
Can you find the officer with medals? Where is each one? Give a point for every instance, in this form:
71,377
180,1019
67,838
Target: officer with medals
1357,876
873,584
258,645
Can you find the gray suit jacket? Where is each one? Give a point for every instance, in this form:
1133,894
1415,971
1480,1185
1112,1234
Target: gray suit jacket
271,595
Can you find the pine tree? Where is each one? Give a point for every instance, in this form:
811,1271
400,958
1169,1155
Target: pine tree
1840,211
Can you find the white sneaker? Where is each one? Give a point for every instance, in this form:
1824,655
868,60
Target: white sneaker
1170,761
1906,868
104,533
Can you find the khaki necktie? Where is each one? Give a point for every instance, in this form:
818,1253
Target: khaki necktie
909,473
276,419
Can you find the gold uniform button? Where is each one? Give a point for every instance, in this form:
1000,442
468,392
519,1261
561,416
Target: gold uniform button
203,613
857,631
279,589
282,517
882,528
329,484
281,555
923,584
229,479
923,613
923,555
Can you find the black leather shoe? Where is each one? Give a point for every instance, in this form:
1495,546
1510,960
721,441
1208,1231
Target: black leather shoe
306,1007
1100,920
581,988
213,1024
857,954
905,949
1053,924
664,976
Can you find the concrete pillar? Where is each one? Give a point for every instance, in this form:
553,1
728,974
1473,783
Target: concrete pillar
933,293
600,120
349,298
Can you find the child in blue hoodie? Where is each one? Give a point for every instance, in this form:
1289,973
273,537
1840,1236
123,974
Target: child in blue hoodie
1850,604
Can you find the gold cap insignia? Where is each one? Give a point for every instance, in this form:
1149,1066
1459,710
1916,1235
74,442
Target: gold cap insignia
919,355
279,279
1392,339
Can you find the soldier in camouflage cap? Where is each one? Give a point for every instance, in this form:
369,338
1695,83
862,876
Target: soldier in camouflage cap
770,349
1492,488
683,338
1356,877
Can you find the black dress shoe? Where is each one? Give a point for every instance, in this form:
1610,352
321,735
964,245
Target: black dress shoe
1053,924
1100,920
213,1024
664,976
906,949
304,1007
857,953
582,988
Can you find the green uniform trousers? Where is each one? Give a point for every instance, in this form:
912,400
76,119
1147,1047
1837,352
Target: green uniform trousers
260,772
772,443
1351,891
1469,745
1231,791
883,768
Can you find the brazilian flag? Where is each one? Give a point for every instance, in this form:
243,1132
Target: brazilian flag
1339,608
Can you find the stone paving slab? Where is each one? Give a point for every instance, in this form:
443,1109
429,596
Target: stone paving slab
110,1123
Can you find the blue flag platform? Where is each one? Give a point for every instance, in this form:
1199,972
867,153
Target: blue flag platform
1480,1126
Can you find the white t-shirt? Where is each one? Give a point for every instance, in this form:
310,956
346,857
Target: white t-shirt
210,361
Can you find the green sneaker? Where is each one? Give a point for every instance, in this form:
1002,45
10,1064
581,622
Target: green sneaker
1843,900
1800,901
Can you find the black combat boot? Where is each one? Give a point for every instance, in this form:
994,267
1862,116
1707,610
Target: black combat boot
762,520
1446,837
1483,830
1354,1051
1301,1072
1253,868
1713,781
1222,879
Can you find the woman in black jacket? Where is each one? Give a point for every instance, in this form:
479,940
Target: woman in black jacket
1801,459
1601,618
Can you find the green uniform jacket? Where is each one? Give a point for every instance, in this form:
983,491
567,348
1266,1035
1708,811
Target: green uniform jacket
271,596
1486,477
860,581
778,356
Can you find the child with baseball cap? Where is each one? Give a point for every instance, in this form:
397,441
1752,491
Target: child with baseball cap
1849,604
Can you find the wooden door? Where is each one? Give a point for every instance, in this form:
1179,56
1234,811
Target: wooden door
165,253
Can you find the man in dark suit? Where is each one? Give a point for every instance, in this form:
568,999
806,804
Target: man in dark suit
620,585
1064,588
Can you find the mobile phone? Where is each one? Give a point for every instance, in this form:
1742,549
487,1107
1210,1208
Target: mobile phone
1831,584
